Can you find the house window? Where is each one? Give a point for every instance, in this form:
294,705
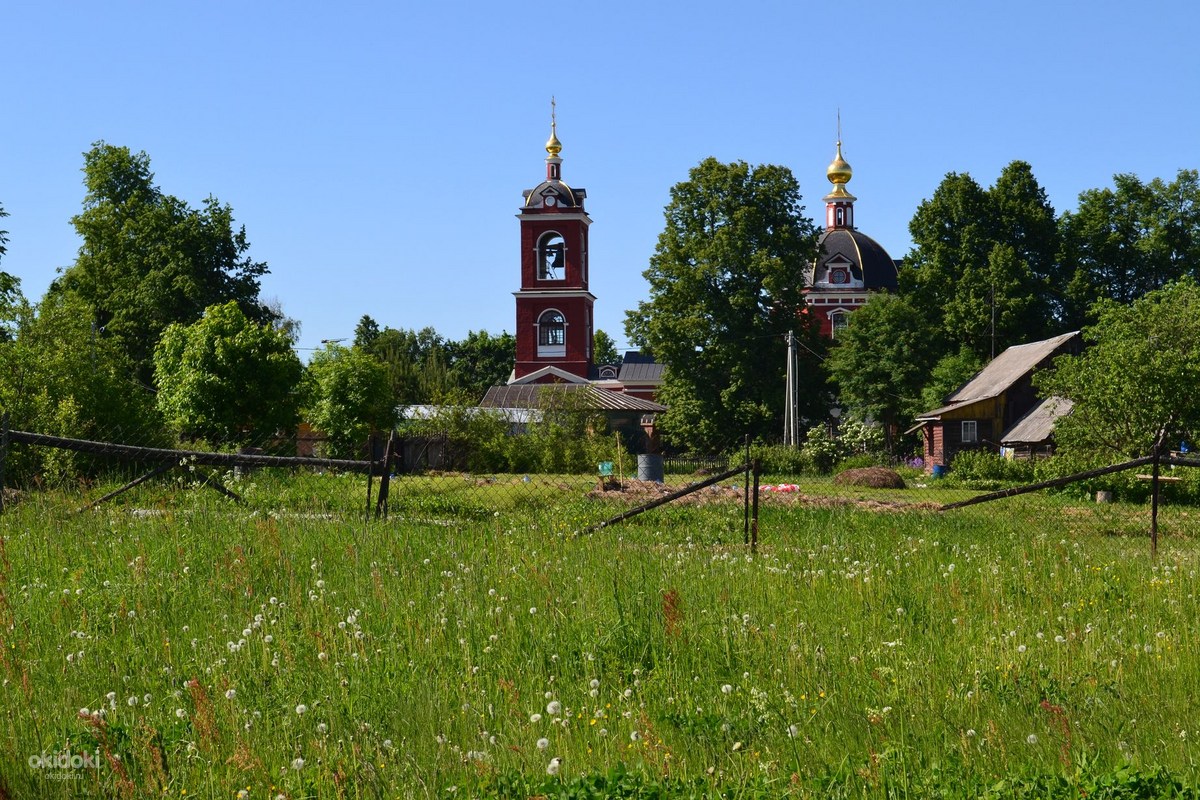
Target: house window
838,321
552,334
551,256
970,430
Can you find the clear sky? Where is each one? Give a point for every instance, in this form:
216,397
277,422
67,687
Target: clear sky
376,152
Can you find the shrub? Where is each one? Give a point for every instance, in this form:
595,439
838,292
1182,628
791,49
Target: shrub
980,465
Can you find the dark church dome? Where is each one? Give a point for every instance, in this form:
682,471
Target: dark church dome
865,262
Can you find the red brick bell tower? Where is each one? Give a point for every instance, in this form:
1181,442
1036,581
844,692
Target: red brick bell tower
554,306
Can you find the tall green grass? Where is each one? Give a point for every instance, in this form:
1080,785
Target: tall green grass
209,651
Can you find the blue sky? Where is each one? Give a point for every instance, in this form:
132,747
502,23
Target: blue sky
376,152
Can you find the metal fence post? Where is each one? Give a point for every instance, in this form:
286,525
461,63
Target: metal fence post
754,521
1154,486
3,454
746,496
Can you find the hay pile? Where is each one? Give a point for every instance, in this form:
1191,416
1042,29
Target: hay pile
872,477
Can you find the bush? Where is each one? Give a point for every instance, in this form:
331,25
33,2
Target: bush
981,465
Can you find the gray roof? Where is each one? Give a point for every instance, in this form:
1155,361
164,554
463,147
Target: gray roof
637,366
1001,373
529,395
1038,425
1008,368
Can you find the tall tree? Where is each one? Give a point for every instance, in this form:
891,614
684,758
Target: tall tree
1128,240
983,261
724,292
882,359
149,260
1137,378
10,289
604,349
366,332
227,378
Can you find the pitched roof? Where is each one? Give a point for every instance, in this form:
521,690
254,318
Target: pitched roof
1038,425
1006,369
637,366
530,396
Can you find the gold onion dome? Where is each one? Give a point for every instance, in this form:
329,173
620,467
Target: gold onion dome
839,172
553,145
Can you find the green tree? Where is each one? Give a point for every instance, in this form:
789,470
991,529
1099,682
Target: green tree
417,363
983,260
10,289
1125,241
148,260
1136,379
349,398
604,349
881,361
366,332
58,377
227,378
481,361
949,373
724,291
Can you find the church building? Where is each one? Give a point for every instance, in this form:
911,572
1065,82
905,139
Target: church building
554,305
554,311
850,265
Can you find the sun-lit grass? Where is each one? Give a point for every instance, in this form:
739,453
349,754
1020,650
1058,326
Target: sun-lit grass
465,644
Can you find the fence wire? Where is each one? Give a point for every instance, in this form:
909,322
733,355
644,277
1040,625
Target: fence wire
426,481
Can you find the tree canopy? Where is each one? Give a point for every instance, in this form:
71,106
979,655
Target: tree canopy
1136,379
149,260
227,378
725,288
882,360
1128,240
349,398
604,349
983,260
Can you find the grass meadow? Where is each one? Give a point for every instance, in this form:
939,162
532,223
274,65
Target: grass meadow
473,646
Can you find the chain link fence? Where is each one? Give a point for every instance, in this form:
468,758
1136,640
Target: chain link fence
439,479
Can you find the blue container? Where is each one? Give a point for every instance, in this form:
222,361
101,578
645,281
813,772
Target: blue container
939,470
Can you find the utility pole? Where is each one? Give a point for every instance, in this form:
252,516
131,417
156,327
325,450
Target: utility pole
791,436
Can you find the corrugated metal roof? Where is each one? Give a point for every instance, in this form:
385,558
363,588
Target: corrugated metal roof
1038,425
1006,369
637,366
530,396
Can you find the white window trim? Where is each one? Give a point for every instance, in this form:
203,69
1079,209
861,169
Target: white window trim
550,350
973,427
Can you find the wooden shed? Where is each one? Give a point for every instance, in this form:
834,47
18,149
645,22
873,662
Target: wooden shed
977,415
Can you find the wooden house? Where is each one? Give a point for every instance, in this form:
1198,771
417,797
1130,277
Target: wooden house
978,414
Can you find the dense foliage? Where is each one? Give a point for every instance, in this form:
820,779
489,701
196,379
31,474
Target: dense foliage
227,378
723,295
1136,381
349,398
149,260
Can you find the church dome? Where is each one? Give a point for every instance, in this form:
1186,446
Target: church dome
865,263
551,195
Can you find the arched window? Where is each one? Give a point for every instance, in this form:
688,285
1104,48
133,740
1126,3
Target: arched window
841,217
838,320
552,333
551,256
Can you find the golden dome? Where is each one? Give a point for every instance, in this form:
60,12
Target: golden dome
553,145
839,172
